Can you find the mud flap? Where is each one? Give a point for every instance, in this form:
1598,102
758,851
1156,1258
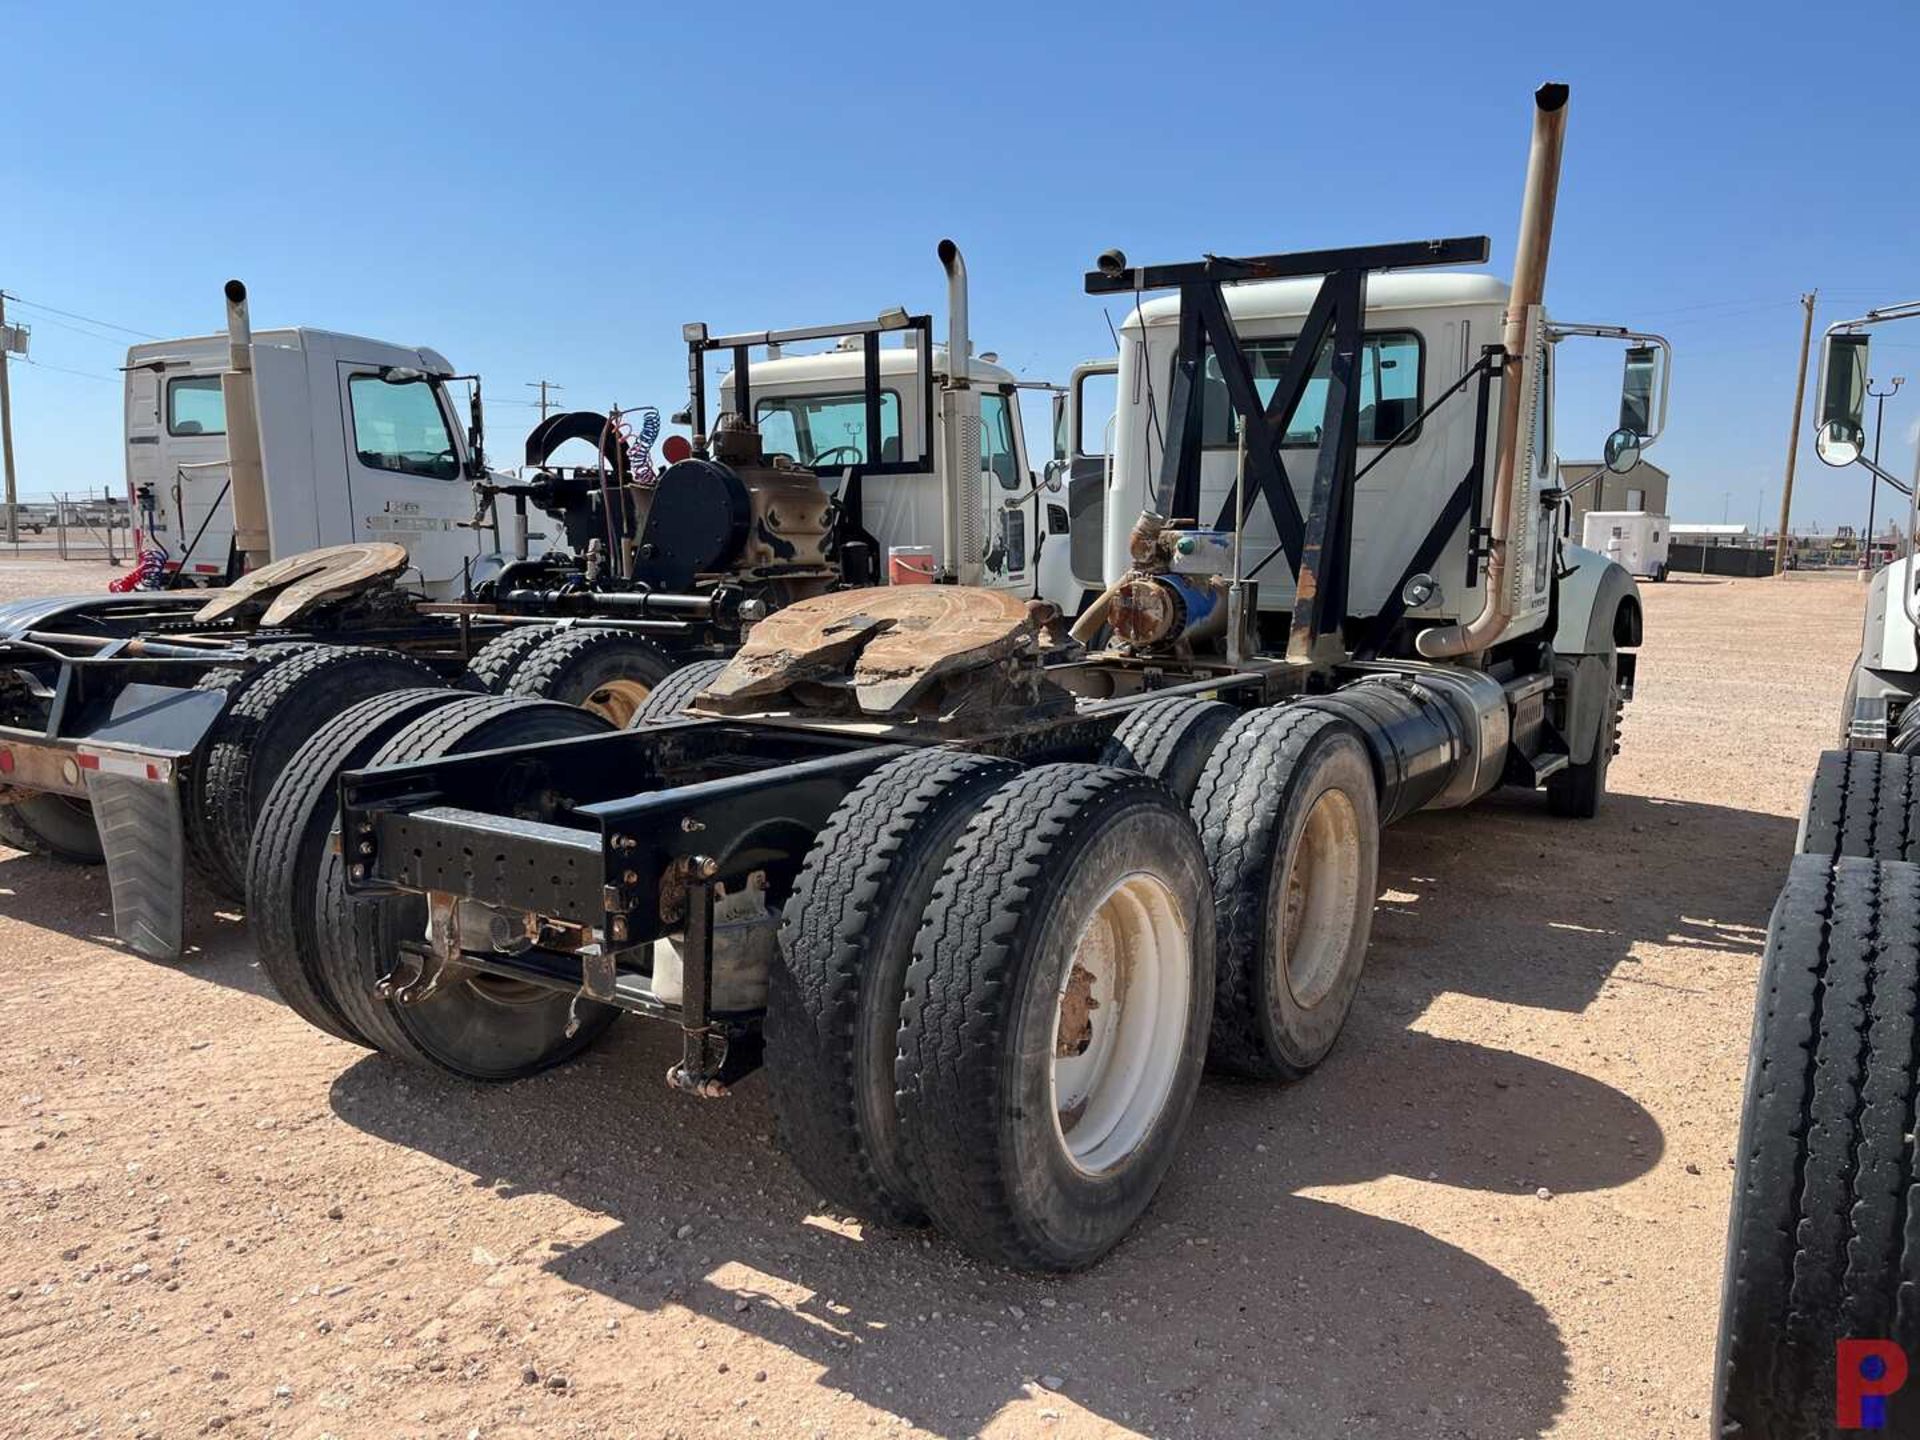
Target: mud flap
143,836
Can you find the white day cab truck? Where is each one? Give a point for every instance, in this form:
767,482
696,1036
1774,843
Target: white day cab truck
146,729
1823,1248
983,890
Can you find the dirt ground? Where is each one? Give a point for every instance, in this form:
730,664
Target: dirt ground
1497,1211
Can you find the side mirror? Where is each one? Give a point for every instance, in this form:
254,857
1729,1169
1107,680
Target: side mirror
1843,399
1622,451
1840,442
1060,439
1053,475
1638,387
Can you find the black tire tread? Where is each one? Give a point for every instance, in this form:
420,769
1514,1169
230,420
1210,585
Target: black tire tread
875,836
1861,803
494,663
959,1001
232,781
1170,740
280,894
670,697
544,671
1824,1237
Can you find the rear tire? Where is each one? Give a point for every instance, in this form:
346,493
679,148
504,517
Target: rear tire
610,672
1055,1016
1862,803
268,721
669,699
477,1027
57,825
846,940
1290,819
495,663
1823,1242
1170,740
284,859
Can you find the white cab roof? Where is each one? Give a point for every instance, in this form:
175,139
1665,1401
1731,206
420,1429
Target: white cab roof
1288,299
358,348
851,365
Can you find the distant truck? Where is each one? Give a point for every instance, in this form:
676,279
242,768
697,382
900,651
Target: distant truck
1635,540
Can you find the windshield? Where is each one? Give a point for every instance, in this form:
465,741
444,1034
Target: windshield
827,429
401,427
1389,389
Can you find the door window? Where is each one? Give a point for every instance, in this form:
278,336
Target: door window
401,427
827,429
195,406
997,454
1390,378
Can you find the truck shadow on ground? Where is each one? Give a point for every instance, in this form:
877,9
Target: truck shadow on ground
1239,1306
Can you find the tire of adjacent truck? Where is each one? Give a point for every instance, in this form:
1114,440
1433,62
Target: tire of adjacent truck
478,1027
57,825
1054,1022
1822,1241
1289,816
266,722
669,698
608,671
846,940
1170,740
1575,793
1862,803
291,836
494,664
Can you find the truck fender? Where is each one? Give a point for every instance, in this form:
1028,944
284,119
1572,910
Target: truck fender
1599,606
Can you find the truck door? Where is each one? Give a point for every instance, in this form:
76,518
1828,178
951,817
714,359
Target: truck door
1010,523
406,472
1092,403
177,442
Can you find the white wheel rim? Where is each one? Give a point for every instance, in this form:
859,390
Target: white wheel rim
1119,1023
1320,898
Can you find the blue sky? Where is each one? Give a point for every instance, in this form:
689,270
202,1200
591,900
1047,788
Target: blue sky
551,190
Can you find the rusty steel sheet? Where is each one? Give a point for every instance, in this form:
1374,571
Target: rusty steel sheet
298,583
890,642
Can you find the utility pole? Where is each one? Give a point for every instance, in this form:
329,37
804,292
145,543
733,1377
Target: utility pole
1873,476
6,426
1793,435
543,386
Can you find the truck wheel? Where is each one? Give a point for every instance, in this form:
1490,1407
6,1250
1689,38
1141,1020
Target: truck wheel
1290,820
480,1027
1170,740
609,672
1862,803
846,939
198,811
268,720
1575,792
283,860
1055,1016
668,700
1820,1246
57,825
494,663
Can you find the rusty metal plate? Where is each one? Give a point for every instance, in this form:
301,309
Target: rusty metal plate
890,641
313,577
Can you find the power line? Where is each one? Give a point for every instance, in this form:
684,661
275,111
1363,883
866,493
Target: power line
72,315
86,374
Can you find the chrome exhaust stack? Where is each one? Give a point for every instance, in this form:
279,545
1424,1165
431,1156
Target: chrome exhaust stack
246,466
1529,290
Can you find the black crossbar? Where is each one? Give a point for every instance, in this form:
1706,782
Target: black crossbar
1230,269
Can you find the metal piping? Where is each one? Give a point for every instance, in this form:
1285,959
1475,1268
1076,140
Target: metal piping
246,466
1529,288
962,503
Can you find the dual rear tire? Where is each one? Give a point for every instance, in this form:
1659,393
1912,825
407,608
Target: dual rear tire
998,987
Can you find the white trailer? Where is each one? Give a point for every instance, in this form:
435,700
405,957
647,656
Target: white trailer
1635,540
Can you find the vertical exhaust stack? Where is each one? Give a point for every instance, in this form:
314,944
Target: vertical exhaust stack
246,468
1529,289
964,507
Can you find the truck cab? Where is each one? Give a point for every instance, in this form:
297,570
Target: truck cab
811,408
360,441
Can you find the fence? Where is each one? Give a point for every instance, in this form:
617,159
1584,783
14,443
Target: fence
1718,560
69,527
